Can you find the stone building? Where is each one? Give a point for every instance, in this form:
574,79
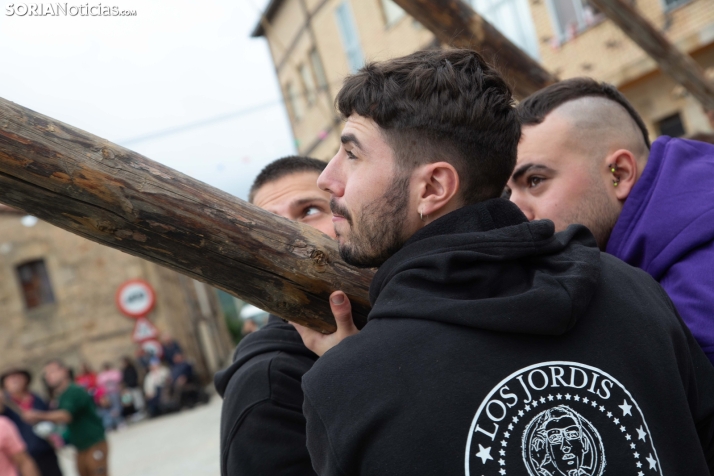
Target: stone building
57,299
315,43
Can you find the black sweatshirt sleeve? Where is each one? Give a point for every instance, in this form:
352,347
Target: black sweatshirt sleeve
322,454
698,377
252,450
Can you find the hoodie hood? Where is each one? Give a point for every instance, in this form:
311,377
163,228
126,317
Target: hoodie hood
277,335
670,211
485,266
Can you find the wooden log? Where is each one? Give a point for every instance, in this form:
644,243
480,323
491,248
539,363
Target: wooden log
680,66
455,23
116,197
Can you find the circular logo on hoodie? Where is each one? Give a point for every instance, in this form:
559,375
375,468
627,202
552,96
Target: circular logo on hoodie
560,418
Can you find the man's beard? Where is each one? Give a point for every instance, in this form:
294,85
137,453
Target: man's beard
598,213
379,233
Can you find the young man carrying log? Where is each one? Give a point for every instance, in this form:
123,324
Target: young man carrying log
585,157
494,346
262,425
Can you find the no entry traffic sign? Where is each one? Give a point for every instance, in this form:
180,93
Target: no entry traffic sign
135,298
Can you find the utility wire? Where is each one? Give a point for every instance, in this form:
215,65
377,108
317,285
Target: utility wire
220,118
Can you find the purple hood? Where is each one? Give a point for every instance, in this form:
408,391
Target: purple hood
667,229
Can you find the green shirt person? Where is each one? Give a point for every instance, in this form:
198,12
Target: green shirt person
76,410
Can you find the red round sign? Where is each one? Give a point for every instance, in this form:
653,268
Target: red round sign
135,298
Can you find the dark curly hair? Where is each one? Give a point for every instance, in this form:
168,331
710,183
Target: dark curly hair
441,104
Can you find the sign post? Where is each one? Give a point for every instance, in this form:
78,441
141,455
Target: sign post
135,299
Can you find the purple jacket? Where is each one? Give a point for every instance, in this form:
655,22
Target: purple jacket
667,229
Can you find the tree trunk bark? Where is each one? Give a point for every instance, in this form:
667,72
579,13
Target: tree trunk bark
116,197
680,66
456,24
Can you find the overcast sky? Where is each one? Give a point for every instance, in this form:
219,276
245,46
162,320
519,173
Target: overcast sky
177,62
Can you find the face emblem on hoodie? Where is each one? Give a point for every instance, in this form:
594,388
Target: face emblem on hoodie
560,418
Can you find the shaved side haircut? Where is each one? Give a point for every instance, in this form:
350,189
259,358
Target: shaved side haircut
534,109
280,168
600,119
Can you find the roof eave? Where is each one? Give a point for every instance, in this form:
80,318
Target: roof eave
267,15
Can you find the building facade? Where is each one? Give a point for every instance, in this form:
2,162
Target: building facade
57,300
315,43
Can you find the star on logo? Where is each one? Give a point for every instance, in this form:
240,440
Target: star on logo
628,437
625,408
502,452
507,435
501,462
542,400
528,408
515,419
641,434
567,396
639,465
617,421
550,398
503,443
502,471
640,474
576,398
652,462
484,453
585,400
594,403
622,429
609,414
535,403
602,409
510,426
520,412
633,446
636,454
559,396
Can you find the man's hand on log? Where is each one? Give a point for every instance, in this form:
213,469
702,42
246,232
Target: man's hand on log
321,343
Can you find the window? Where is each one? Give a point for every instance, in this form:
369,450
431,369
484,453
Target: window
572,16
308,84
35,284
350,39
513,19
317,69
392,12
672,4
671,126
295,102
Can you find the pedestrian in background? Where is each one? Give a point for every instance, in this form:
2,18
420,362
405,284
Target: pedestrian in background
171,347
155,386
13,452
15,384
109,383
131,387
76,409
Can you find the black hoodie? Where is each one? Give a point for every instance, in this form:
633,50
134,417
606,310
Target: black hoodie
497,347
262,425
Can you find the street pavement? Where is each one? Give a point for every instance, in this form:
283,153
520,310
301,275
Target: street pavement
185,443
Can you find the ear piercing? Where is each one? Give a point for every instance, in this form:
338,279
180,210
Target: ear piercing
616,180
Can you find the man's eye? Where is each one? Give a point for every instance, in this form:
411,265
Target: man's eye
534,181
309,211
350,155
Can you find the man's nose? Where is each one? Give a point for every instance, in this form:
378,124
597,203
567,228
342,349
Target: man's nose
521,203
328,179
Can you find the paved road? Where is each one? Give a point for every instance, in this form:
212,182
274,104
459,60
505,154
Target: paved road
186,443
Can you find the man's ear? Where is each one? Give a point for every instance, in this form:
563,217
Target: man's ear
622,172
438,187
